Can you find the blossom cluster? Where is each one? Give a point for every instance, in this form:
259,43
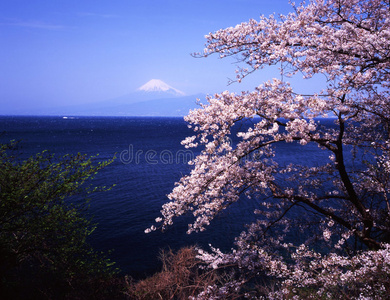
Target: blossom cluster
364,275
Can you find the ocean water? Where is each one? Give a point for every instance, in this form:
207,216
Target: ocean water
150,159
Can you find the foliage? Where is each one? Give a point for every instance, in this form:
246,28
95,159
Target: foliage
341,204
180,278
43,235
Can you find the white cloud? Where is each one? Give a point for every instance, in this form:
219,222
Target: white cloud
35,24
91,14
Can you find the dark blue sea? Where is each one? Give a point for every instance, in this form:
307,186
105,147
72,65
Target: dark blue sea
150,159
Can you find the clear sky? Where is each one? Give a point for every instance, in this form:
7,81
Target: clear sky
59,52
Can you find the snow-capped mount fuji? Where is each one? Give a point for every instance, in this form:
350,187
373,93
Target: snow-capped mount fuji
151,90
154,98
159,86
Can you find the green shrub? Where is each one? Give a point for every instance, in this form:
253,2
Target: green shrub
44,252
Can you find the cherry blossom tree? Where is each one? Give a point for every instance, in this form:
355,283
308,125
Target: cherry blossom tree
344,200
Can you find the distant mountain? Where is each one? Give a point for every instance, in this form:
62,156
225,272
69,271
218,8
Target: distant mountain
169,107
159,86
153,89
154,98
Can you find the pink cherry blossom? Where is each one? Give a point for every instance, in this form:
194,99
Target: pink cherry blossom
345,197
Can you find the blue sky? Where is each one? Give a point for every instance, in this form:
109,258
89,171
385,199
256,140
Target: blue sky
65,52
